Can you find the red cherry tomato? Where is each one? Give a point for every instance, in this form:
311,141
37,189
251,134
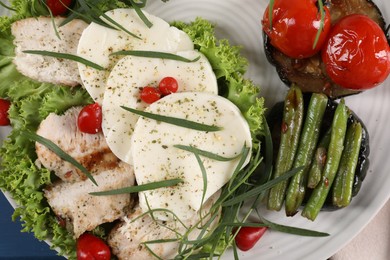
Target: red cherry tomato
90,119
90,247
150,94
168,85
357,54
4,107
58,7
294,27
247,237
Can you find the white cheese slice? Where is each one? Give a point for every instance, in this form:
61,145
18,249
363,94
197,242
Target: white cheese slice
156,158
98,42
133,73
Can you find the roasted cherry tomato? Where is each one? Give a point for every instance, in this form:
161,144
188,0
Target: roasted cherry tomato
247,237
357,54
90,119
168,85
150,94
4,107
59,7
294,27
90,247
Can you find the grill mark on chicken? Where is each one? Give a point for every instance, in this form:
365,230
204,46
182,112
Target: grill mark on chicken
79,211
90,150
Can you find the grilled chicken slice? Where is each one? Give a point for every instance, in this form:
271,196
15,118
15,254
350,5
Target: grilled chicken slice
83,212
127,237
91,150
39,34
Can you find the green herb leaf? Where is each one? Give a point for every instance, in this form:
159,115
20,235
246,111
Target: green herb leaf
270,12
204,178
7,7
258,190
204,153
139,188
43,3
293,230
119,26
141,15
322,22
58,151
66,56
84,12
155,55
175,121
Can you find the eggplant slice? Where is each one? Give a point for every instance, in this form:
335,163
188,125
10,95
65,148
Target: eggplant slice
274,119
309,73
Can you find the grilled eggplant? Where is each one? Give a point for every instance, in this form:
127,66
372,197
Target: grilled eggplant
309,73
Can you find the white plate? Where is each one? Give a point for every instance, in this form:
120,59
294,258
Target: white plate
239,21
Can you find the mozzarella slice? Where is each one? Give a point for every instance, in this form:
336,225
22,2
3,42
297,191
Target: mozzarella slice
156,158
124,85
98,42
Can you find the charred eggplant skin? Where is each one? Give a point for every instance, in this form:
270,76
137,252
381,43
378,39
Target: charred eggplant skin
309,73
274,119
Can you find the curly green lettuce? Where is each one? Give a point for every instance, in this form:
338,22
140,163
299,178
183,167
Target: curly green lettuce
19,175
32,101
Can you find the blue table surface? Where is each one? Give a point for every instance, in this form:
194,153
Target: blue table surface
15,244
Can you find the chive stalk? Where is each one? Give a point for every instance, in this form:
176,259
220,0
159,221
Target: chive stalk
155,55
59,152
66,56
175,121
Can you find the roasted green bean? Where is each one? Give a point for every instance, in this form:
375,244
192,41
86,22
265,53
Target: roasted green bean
336,145
318,162
290,132
307,144
342,188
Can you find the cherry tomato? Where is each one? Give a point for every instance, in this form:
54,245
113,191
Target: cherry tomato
150,94
168,85
357,54
294,27
58,7
90,119
4,107
90,247
247,237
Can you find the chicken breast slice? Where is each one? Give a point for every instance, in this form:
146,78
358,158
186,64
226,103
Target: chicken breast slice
39,34
127,238
82,211
91,150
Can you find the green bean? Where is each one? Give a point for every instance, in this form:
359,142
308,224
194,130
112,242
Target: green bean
316,167
342,188
336,145
290,132
307,144
318,163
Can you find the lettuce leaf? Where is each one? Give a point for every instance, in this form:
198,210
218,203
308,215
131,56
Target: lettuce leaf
19,175
32,101
8,72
